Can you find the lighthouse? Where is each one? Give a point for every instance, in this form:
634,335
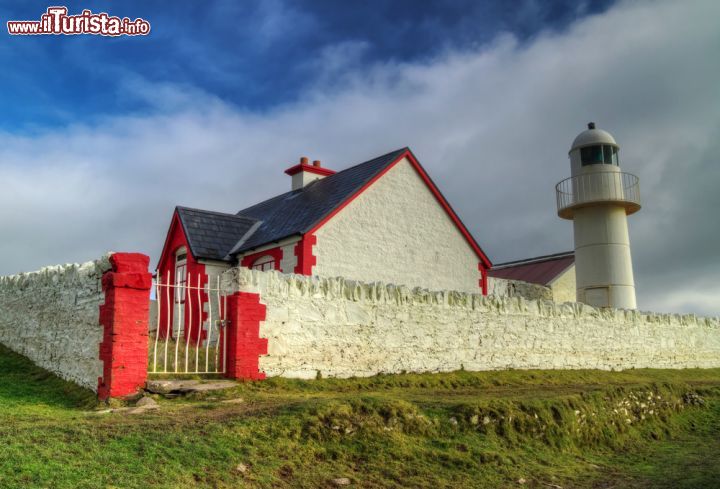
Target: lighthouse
598,197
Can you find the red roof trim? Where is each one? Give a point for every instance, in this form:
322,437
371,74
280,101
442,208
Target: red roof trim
433,188
175,221
318,170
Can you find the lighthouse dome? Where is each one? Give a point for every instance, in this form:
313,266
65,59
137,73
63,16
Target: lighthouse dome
593,136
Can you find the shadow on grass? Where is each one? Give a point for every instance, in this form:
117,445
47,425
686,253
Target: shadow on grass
22,383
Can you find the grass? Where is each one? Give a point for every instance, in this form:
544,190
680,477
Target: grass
569,429
689,460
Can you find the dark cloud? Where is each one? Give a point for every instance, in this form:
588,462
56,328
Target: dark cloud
259,54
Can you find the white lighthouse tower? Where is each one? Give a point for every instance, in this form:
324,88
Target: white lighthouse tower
598,197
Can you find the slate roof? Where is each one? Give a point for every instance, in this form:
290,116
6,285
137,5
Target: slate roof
220,236
539,270
212,234
217,235
297,211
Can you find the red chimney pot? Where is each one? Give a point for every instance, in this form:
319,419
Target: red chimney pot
316,163
304,160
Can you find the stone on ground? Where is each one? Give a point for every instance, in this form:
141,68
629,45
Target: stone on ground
180,387
147,403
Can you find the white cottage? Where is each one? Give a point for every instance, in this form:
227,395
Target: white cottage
382,220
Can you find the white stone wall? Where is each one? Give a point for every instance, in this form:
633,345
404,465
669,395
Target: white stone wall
343,328
397,232
52,317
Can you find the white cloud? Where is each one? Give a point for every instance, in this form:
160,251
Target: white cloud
492,126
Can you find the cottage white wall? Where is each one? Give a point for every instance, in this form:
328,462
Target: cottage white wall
289,260
154,314
213,270
563,286
52,317
397,232
344,328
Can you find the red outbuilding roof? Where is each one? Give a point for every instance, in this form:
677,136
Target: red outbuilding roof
539,270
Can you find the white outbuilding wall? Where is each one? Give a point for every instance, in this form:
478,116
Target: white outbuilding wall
501,287
563,286
397,232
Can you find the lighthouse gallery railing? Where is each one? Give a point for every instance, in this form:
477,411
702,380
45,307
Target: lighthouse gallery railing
590,188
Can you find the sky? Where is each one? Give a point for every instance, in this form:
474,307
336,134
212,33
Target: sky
101,137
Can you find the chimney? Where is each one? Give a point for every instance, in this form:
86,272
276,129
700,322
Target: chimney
303,173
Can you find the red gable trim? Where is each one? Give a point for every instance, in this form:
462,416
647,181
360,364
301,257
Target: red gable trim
174,222
310,169
435,191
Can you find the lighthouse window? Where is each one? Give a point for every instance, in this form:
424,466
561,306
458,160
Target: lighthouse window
607,154
593,155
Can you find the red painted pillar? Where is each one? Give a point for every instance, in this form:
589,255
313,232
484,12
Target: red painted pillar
124,318
244,345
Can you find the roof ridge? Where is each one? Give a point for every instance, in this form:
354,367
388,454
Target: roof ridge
243,239
217,213
385,155
297,211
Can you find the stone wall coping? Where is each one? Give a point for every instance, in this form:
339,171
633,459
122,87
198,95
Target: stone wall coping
45,274
277,283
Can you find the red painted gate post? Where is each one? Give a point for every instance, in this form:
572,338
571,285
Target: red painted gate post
124,317
244,345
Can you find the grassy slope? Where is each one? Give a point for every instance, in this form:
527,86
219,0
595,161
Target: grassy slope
690,460
579,429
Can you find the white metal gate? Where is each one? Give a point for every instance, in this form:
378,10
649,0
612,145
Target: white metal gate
190,334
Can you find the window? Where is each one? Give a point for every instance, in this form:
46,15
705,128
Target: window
607,154
601,153
264,263
591,155
180,275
